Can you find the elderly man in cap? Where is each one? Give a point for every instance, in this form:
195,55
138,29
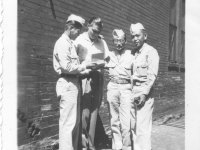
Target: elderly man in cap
119,91
90,44
67,65
145,70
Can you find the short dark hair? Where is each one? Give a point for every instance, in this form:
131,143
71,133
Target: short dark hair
97,21
125,36
143,31
74,24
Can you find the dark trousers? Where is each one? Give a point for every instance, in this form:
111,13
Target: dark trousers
92,90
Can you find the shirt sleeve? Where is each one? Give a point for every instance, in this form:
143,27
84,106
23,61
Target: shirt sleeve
153,65
82,51
68,64
106,50
75,42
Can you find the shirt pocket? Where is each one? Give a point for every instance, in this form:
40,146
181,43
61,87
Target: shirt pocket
128,68
73,58
142,69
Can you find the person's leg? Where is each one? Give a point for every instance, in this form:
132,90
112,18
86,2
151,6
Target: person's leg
97,88
68,93
124,115
85,108
76,130
113,101
144,125
135,145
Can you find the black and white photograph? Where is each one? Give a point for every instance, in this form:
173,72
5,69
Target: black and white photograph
100,75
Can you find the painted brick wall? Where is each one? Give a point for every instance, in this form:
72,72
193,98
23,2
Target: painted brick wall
41,22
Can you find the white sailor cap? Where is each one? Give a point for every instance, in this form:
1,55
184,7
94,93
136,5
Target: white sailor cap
137,26
118,33
79,19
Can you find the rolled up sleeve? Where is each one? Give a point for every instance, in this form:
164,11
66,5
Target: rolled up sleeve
106,50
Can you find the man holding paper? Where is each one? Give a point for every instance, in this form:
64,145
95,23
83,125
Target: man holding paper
91,49
119,91
68,67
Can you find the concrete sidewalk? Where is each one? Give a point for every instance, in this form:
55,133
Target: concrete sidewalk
166,137
168,132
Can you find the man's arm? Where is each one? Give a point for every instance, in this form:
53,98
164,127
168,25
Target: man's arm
63,56
106,50
107,54
153,61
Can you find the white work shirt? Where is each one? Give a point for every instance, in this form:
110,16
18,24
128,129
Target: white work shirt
120,65
85,47
145,68
65,58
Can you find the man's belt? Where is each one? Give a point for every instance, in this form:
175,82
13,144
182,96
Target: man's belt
69,75
120,81
137,83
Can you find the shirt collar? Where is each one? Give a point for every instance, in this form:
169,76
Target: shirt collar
88,38
141,49
122,53
66,37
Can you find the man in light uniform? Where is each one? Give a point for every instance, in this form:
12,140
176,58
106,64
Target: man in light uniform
89,43
145,70
119,91
67,65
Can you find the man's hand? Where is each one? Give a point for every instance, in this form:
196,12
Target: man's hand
91,66
140,100
85,72
99,66
81,68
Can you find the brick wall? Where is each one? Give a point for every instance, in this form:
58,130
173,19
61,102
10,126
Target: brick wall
41,22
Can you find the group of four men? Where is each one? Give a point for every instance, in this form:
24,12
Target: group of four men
132,74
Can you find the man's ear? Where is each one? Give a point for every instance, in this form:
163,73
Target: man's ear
71,27
126,42
145,36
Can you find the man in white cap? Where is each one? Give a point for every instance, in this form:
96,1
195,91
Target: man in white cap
119,91
88,44
145,70
66,64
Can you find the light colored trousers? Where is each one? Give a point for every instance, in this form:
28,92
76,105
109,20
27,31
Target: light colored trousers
141,124
68,92
118,96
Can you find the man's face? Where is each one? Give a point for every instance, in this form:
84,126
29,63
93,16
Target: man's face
75,32
119,42
94,31
138,37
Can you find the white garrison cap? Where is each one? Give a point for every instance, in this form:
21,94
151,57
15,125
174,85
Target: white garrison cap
118,33
137,26
73,17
